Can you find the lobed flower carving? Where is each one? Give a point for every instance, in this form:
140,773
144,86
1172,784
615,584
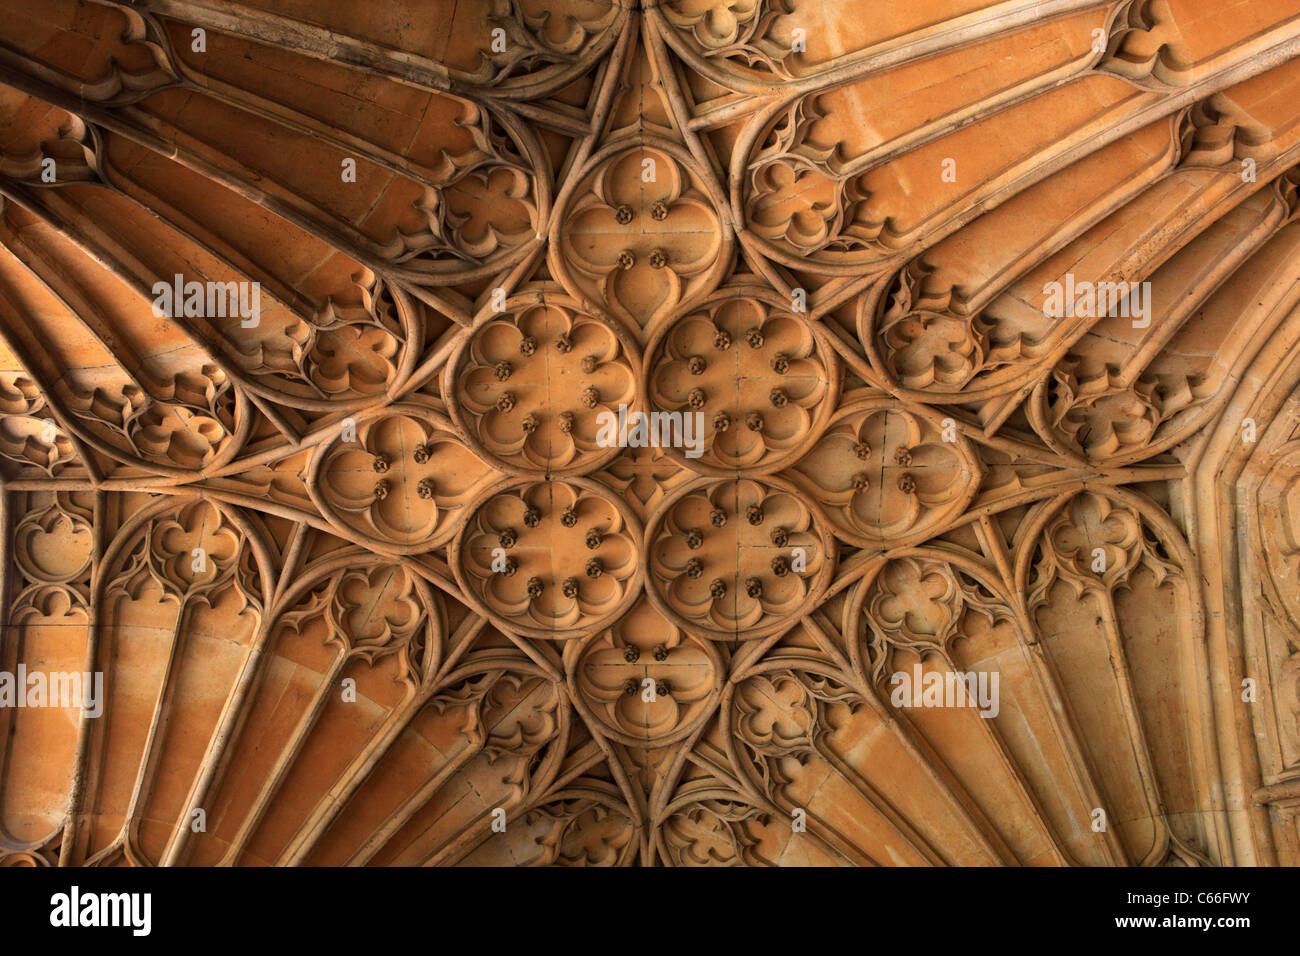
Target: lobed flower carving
401,481
583,832
760,377
1105,415
927,341
352,347
782,718
740,30
737,559
370,611
712,832
533,383
55,544
550,559
1090,523
641,236
609,672
888,476
188,422
801,198
191,552
29,434
919,603
538,39
522,715
477,205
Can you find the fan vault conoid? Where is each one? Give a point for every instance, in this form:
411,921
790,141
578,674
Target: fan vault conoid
358,572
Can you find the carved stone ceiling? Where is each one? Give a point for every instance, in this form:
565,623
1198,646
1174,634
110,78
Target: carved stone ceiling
367,584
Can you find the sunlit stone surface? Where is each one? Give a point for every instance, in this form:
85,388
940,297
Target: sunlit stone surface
949,512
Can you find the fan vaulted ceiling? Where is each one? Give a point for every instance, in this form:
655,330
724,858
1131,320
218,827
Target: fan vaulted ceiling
365,585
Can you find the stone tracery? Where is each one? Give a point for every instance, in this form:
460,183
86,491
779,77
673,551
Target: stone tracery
554,209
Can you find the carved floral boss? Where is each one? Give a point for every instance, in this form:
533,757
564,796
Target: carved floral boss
398,481
643,679
758,373
550,559
532,382
641,235
888,476
735,559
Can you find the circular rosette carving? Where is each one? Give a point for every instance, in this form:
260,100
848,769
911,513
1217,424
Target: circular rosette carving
641,235
758,379
549,559
396,480
534,384
737,559
887,476
643,680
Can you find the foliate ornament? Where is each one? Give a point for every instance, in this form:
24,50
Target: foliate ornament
1144,49
1093,543
583,831
782,714
29,433
190,422
479,206
886,476
775,371
539,410
921,603
728,588
925,341
800,198
191,552
371,610
1104,415
708,831
1101,419
780,719
535,43
522,714
740,30
353,347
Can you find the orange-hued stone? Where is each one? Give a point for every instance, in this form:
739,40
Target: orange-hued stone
637,433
